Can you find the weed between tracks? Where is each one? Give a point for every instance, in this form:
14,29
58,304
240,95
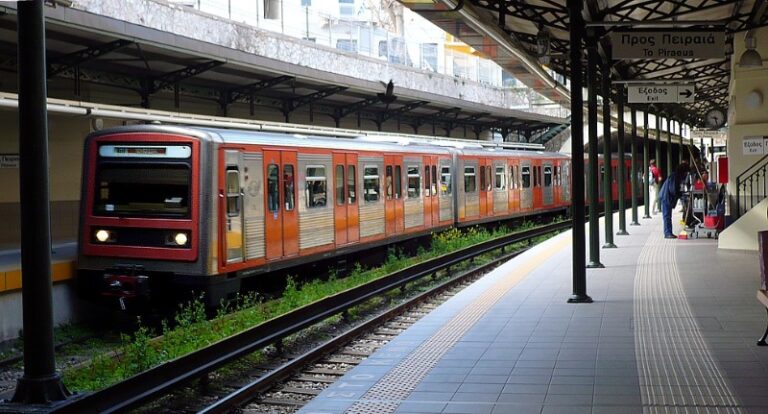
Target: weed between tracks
192,330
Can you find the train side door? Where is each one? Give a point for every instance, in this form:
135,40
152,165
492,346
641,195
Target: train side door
489,175
483,186
526,190
547,188
280,220
393,194
346,214
431,206
233,207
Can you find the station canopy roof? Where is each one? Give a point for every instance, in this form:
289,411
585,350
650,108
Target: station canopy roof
508,31
123,64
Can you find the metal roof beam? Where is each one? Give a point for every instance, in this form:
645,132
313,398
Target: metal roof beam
62,63
290,105
246,91
389,114
169,79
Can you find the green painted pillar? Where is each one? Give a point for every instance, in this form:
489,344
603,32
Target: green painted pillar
621,179
646,166
594,226
607,150
635,175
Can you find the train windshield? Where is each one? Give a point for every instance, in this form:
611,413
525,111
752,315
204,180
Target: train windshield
143,190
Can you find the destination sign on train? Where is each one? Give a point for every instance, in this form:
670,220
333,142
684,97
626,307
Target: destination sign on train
674,44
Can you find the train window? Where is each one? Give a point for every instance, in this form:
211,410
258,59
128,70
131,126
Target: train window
289,192
470,181
145,190
482,178
446,187
316,186
526,176
273,187
340,185
371,187
547,176
535,176
351,184
426,181
398,182
414,181
233,193
501,175
512,176
434,180
388,182
488,179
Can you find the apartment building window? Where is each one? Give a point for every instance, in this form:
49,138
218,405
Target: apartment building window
429,56
346,8
272,9
347,45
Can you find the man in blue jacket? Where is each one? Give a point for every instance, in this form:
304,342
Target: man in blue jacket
668,196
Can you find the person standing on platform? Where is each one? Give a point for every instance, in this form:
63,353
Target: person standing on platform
655,176
669,195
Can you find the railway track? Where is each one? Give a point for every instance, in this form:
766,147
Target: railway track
180,373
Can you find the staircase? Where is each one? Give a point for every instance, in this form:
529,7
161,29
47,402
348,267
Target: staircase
751,186
750,210
544,137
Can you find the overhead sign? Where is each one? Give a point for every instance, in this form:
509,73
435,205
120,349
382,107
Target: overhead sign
718,136
668,44
661,93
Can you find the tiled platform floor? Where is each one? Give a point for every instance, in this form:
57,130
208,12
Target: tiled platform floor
672,329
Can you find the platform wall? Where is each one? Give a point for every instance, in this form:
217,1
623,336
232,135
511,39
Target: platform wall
67,310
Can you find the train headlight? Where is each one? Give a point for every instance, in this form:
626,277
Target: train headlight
103,235
181,238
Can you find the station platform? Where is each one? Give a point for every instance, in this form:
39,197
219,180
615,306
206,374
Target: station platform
673,329
63,256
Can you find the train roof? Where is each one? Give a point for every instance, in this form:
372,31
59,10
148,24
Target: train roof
389,142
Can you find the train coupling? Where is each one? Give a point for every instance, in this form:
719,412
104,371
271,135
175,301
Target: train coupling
127,283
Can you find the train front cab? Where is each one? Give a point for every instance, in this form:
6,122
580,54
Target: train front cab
139,217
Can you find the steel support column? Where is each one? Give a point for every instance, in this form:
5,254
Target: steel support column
40,383
682,145
634,176
658,145
577,156
646,167
594,225
670,165
622,170
607,158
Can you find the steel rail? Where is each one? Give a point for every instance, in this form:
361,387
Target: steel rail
149,384
247,393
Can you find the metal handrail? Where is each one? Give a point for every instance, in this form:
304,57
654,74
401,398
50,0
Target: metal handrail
756,180
149,384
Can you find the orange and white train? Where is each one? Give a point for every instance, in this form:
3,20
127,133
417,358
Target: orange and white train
168,208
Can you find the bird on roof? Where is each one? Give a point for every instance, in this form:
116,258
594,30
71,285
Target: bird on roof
389,94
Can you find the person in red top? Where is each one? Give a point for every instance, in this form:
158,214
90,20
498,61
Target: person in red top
655,173
702,182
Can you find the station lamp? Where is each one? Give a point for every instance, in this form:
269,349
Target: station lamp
750,58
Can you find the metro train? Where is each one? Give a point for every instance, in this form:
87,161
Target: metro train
174,209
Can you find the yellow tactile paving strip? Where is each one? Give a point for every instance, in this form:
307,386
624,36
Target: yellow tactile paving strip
387,394
678,373
10,280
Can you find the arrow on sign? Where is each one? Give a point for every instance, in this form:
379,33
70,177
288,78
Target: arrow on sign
686,93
